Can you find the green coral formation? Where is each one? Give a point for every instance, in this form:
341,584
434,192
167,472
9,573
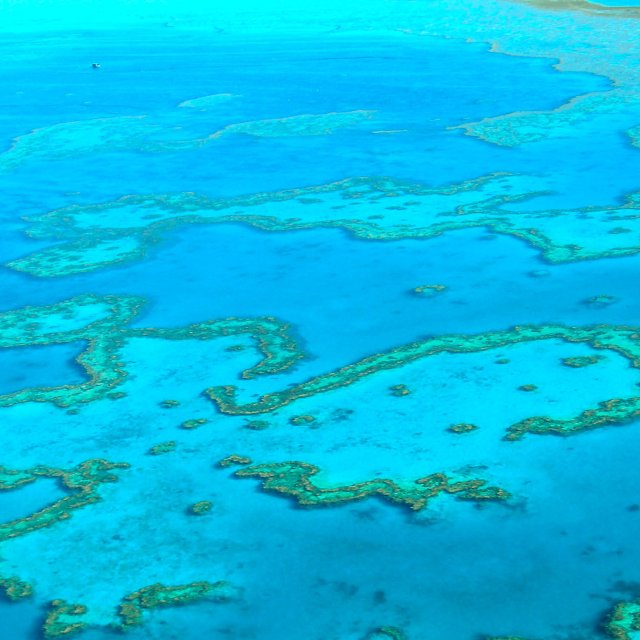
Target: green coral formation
101,235
163,447
101,323
233,459
14,588
82,483
157,595
256,425
399,390
462,427
64,619
578,362
428,290
200,508
294,479
524,127
624,341
298,421
194,423
170,404
93,320
624,621
617,411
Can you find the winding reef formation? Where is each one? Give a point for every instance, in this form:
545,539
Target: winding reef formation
101,322
65,619
97,236
294,479
158,595
82,483
622,340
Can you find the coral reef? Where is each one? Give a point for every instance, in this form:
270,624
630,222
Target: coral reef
578,362
298,421
428,290
194,423
101,322
462,427
163,447
200,508
624,341
399,390
82,483
294,479
15,588
624,621
64,619
256,425
233,459
157,595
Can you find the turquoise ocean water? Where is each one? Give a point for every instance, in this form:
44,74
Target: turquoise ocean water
356,246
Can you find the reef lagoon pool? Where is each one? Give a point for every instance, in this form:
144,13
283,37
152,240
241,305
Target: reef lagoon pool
320,323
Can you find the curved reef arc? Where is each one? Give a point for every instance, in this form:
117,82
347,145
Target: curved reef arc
64,619
82,483
622,340
106,336
121,231
294,479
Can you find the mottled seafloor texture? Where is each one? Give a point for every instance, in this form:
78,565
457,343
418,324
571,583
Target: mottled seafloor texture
320,322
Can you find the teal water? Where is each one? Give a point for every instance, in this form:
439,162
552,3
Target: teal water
368,181
52,365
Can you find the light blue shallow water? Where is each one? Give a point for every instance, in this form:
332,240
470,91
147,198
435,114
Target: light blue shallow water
491,151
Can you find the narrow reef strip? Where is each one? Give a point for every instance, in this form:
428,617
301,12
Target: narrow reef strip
293,479
105,332
622,340
157,595
83,484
